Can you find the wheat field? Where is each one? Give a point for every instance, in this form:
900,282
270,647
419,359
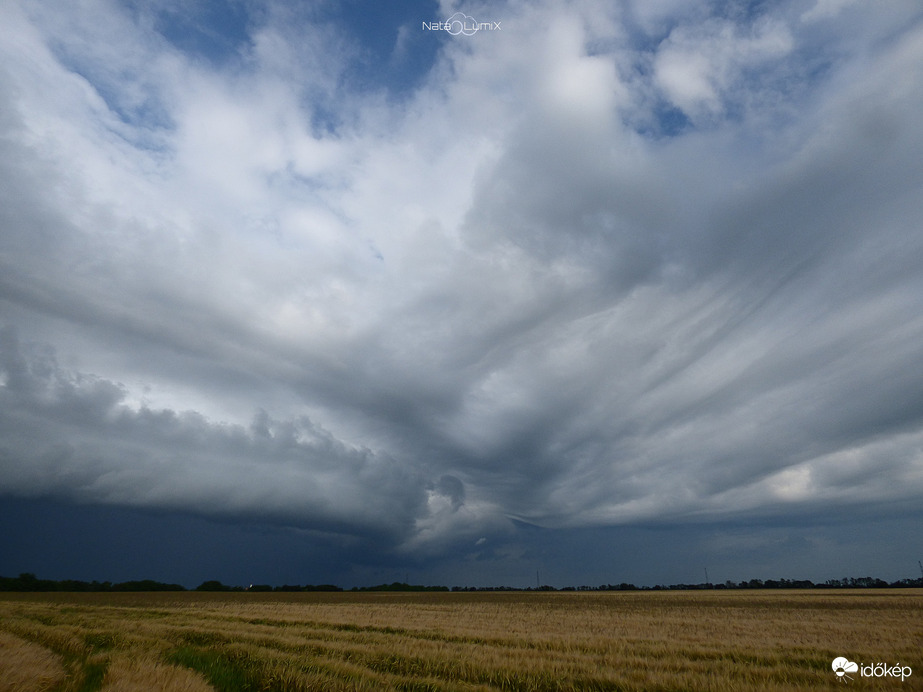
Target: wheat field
651,640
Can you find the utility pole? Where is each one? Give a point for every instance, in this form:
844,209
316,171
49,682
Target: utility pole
706,577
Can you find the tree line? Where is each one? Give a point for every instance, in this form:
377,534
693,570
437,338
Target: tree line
28,582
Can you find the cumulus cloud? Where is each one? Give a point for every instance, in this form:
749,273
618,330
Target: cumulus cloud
698,67
252,286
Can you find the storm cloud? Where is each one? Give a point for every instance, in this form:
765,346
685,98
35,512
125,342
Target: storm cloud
630,265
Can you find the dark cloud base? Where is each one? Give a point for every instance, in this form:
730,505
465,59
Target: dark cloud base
57,539
61,539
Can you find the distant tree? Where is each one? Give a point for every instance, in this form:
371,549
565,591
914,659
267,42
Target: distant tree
146,585
212,585
27,581
395,586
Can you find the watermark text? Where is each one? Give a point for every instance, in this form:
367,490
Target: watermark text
843,667
460,24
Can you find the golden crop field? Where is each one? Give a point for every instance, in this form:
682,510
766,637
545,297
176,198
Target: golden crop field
652,640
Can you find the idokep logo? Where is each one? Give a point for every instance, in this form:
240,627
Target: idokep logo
843,666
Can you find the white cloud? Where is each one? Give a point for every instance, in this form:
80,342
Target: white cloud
824,9
698,67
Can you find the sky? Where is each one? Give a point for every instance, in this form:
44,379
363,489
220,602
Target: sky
322,292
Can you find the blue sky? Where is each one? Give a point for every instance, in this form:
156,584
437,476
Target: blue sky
613,291
386,49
